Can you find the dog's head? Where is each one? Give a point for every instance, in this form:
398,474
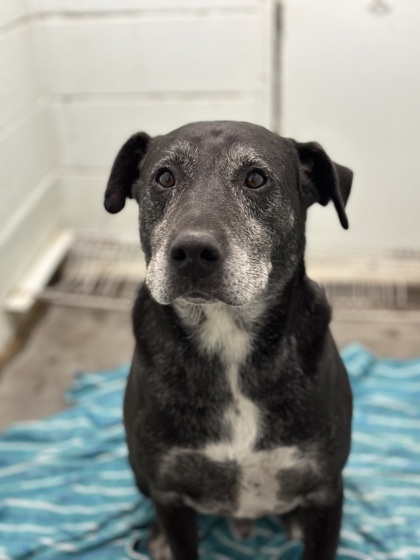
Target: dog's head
222,207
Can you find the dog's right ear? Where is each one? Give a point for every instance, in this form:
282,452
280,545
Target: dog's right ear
125,172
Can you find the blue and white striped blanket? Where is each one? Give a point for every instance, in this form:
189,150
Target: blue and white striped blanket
66,490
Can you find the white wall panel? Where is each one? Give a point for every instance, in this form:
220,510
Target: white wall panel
11,11
101,6
204,54
81,57
155,55
18,79
91,134
81,205
351,81
27,155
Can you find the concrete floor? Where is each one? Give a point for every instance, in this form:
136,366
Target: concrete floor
64,341
67,340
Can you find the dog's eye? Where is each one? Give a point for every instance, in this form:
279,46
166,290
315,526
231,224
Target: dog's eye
166,179
255,180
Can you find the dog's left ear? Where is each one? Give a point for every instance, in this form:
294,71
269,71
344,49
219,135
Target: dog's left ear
125,172
322,180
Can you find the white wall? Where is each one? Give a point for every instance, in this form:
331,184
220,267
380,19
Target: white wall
351,80
28,208
114,68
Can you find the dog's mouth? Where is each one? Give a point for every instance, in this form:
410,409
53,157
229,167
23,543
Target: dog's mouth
197,297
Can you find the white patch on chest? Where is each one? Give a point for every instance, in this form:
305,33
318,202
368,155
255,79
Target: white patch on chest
259,485
223,334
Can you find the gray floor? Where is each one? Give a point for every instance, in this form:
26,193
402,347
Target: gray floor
67,340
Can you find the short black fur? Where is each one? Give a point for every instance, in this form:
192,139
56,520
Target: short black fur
191,388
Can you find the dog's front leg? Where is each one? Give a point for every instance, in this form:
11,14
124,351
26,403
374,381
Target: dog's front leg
177,536
321,529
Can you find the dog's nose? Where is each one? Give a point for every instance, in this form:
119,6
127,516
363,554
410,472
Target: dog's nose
195,253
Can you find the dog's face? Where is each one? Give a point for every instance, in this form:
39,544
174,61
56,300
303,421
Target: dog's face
222,207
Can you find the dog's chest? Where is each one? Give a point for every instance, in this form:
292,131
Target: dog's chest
252,479
260,487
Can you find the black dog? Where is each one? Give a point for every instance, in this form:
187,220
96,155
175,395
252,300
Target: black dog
237,403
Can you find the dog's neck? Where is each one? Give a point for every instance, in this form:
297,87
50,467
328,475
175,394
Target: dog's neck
231,332
222,329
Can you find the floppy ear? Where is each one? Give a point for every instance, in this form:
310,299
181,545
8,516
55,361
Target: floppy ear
125,172
322,180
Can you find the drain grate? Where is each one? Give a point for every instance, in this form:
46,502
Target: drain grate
98,273
372,296
104,273
369,281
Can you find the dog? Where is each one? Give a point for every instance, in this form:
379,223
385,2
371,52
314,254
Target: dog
237,402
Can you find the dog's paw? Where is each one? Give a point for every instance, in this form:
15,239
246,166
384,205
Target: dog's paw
242,528
293,526
159,547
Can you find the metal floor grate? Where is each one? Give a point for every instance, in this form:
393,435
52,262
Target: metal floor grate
376,281
366,296
103,273
98,273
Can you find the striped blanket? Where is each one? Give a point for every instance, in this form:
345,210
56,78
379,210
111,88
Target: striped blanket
66,490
